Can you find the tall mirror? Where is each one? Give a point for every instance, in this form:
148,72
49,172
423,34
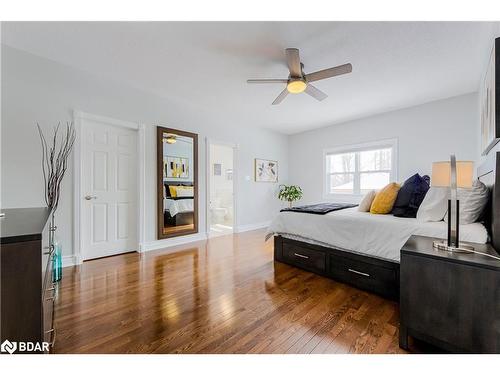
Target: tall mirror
177,157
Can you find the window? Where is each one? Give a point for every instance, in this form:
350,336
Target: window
354,170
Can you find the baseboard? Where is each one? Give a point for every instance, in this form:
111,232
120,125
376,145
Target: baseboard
68,260
249,227
169,242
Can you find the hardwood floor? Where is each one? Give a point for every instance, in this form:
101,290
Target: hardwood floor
169,229
225,295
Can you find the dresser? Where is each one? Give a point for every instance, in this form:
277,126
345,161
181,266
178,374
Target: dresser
450,300
27,291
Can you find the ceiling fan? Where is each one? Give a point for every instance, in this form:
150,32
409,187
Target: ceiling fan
298,82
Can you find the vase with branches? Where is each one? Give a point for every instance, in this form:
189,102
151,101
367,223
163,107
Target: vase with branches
290,193
55,154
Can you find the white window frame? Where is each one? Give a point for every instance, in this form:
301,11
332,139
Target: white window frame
384,143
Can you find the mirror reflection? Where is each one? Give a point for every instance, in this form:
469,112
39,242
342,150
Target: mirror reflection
178,200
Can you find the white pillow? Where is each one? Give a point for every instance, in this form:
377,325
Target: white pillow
472,202
366,202
434,205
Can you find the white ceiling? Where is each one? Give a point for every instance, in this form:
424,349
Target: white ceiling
395,65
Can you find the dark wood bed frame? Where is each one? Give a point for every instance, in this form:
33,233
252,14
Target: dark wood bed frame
375,274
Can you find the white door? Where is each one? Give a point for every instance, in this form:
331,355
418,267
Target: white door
109,189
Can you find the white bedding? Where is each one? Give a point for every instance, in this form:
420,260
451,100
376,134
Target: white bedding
175,207
361,232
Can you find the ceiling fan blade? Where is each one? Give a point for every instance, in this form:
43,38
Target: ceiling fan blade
281,97
271,80
328,73
315,93
293,62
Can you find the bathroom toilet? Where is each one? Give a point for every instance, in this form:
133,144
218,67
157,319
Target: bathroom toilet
218,214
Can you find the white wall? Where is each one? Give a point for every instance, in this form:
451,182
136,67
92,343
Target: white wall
494,33
39,90
425,133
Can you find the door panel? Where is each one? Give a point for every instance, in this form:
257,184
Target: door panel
99,173
122,213
109,189
99,222
123,172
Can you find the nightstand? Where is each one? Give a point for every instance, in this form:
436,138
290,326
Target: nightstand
449,300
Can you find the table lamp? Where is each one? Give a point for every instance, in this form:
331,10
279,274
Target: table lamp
453,174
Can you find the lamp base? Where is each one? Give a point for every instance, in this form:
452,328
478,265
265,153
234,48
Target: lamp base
462,248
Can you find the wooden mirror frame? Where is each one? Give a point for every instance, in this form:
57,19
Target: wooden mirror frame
159,181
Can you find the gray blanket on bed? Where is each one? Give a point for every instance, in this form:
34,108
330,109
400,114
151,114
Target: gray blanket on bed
320,208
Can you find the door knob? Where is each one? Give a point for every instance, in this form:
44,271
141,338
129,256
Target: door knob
89,197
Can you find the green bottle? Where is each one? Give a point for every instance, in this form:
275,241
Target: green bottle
56,261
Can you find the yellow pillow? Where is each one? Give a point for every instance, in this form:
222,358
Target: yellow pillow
384,200
173,191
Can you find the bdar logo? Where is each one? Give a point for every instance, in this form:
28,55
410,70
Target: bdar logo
8,346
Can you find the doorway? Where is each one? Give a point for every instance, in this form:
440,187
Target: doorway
221,177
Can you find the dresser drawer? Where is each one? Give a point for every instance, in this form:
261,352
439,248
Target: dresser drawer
48,301
49,333
47,250
304,257
47,274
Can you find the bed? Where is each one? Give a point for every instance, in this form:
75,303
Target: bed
177,210
178,205
363,249
380,236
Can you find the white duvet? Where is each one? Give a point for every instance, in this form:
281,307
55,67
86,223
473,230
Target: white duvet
361,232
178,206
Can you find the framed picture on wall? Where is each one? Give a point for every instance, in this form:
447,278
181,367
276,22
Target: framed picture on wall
176,167
217,169
266,170
489,107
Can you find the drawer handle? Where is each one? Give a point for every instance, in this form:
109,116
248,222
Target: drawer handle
51,250
301,256
53,333
53,337
51,289
358,272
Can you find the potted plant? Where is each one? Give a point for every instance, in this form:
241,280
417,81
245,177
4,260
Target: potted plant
290,193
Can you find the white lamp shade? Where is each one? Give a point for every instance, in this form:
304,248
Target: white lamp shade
441,172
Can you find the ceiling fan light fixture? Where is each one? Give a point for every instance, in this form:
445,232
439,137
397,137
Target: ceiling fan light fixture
170,139
298,82
296,86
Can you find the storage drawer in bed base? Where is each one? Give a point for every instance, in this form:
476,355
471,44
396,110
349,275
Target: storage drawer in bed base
364,272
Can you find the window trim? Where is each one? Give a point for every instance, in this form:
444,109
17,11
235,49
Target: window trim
394,173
